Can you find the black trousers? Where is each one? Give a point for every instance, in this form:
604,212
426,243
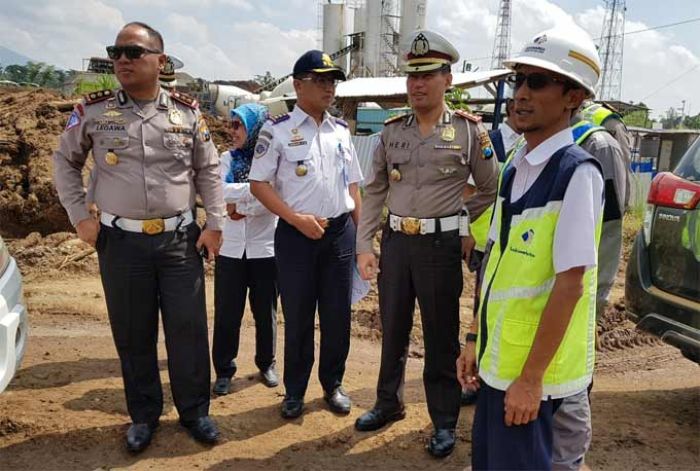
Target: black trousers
429,268
235,276
315,273
141,275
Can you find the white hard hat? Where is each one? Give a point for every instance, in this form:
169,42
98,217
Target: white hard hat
569,52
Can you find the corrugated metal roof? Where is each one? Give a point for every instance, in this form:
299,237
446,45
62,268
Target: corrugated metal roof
364,146
366,87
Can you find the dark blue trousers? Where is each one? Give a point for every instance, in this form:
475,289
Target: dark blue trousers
518,447
311,274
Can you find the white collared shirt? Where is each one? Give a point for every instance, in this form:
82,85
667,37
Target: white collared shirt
510,137
327,153
253,235
582,206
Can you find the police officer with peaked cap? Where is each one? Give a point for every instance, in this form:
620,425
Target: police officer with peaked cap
306,171
153,153
421,168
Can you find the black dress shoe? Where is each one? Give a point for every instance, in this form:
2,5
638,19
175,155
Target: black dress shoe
269,377
338,401
292,407
442,443
469,397
222,386
374,419
138,437
202,429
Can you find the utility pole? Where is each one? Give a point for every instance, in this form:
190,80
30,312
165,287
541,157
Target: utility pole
611,50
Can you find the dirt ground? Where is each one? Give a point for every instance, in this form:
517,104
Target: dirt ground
65,408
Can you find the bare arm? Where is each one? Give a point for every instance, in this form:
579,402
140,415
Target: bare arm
354,190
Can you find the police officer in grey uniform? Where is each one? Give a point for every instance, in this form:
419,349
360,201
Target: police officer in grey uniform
306,171
421,168
153,153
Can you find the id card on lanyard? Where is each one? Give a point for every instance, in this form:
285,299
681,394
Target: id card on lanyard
341,156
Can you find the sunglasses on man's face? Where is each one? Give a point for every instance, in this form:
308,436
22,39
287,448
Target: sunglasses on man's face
236,125
535,80
131,52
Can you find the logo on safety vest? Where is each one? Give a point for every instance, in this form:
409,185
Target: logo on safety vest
528,236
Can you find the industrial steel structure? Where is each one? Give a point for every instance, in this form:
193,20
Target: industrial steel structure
611,50
501,42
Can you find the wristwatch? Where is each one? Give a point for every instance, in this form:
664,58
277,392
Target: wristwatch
471,337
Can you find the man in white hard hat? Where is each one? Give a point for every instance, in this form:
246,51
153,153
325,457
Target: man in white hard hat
533,344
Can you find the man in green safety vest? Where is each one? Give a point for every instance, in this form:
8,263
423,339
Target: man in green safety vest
533,343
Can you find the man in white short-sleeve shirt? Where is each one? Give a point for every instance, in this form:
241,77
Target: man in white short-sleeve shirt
306,171
532,345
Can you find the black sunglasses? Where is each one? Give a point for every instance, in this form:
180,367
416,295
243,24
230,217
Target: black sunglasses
132,52
535,81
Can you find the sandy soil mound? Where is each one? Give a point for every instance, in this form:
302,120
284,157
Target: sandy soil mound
30,127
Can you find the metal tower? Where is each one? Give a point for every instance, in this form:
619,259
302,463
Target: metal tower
501,43
611,48
389,43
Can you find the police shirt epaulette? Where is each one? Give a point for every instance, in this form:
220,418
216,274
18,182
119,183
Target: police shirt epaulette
342,122
471,117
96,97
279,118
185,99
395,119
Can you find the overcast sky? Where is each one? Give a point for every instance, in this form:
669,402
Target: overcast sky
235,39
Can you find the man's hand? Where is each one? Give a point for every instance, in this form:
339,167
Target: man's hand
87,230
368,265
231,211
210,239
466,367
308,225
468,244
522,402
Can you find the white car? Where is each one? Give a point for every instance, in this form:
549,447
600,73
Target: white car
13,317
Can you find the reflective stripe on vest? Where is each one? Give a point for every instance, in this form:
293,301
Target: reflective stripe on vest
519,279
597,114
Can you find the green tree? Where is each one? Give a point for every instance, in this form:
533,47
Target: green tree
672,119
457,99
692,122
102,82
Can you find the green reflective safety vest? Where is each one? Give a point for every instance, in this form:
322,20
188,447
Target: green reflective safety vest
479,229
518,282
598,114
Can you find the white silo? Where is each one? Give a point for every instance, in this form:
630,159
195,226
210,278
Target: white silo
373,37
412,16
333,27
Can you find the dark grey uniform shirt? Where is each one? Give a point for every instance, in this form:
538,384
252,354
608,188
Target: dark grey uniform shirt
434,172
150,162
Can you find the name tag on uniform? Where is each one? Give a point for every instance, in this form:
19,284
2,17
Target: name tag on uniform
297,143
448,146
179,130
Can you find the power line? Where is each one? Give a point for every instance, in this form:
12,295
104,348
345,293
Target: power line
673,80
669,25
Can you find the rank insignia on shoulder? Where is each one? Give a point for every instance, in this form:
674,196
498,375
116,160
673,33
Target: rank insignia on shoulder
96,97
471,117
395,119
342,122
185,99
279,118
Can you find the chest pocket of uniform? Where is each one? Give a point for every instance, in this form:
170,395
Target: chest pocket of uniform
114,144
397,156
180,145
301,161
450,163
